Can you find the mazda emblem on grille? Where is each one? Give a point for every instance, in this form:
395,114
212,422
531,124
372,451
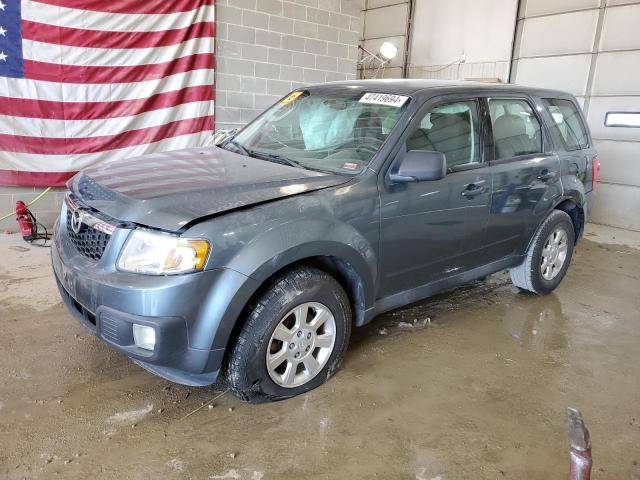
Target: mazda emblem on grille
76,221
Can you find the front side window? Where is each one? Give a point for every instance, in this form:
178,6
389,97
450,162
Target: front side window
452,129
516,130
568,122
332,132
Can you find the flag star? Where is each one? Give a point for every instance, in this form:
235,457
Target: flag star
3,56
2,31
2,5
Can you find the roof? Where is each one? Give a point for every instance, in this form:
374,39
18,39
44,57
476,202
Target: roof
414,85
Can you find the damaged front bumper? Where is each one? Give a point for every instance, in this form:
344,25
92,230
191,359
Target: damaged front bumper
179,308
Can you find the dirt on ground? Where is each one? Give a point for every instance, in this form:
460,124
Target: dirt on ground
471,384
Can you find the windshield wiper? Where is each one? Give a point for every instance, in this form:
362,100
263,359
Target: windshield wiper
239,147
274,157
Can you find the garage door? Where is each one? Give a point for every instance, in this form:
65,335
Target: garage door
591,48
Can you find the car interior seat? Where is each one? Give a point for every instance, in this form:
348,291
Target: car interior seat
450,133
511,139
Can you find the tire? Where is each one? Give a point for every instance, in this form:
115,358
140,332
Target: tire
529,275
283,305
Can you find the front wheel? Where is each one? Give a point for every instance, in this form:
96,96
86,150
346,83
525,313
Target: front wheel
548,256
294,338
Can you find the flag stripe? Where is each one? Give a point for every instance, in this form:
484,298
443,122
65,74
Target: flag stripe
113,22
46,109
68,146
37,162
89,93
82,129
112,57
91,74
20,178
77,37
144,7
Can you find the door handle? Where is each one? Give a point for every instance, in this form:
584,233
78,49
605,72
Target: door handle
546,175
472,190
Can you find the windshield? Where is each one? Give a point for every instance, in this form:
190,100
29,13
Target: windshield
337,133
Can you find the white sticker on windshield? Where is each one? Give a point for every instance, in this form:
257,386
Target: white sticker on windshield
384,99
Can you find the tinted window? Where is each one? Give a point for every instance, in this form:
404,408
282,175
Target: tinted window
451,129
567,119
516,130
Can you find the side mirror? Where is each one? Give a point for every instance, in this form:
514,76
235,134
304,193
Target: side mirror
419,166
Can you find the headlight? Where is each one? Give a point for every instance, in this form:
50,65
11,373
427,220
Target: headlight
162,254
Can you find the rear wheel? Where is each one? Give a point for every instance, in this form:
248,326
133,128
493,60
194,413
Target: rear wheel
294,339
548,256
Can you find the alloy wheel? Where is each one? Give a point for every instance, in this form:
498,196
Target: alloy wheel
301,344
554,254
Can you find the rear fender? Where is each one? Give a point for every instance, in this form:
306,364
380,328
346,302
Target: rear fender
567,203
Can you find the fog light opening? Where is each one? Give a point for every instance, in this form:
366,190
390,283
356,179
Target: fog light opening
144,337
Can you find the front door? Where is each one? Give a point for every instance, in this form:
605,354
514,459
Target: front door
428,227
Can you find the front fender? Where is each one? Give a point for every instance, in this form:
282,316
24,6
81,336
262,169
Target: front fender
275,249
258,242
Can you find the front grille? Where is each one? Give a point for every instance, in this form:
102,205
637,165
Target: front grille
88,241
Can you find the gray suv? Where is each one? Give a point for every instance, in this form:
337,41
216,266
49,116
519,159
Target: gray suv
253,259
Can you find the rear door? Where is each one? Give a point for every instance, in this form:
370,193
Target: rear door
575,148
525,174
427,227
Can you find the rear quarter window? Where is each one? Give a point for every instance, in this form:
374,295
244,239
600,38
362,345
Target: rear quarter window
568,123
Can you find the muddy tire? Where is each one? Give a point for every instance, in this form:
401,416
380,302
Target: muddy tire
293,340
548,256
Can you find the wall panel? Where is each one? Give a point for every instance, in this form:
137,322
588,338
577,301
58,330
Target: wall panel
567,73
598,109
546,7
616,205
451,39
592,51
622,162
617,73
620,28
564,34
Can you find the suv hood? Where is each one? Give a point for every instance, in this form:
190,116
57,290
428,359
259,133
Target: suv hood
172,189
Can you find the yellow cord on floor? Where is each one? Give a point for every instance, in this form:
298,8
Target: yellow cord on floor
30,203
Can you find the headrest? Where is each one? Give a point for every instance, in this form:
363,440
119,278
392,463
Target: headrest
508,125
446,120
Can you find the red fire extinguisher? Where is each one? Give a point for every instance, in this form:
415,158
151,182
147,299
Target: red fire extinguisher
26,221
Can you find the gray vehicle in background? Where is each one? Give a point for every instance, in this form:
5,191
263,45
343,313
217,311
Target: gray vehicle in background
254,259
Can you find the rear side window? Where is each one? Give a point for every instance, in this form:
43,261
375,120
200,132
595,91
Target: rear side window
568,122
516,129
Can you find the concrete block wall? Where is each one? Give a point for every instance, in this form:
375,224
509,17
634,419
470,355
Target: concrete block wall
266,48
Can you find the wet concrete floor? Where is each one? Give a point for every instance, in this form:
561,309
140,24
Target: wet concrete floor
471,384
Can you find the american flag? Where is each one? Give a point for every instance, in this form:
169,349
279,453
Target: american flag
82,81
